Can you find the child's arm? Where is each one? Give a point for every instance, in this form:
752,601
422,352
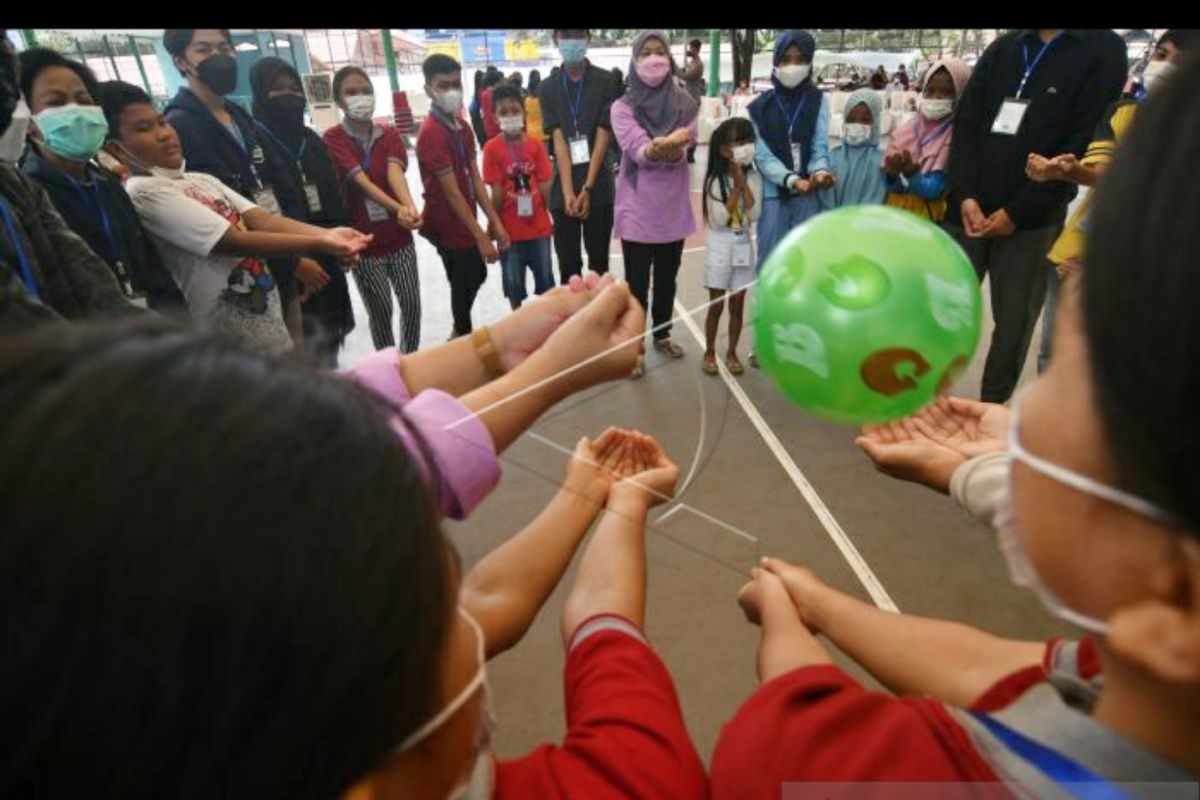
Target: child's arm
496,188
612,574
368,187
496,227
407,213
505,590
272,236
786,644
928,185
908,654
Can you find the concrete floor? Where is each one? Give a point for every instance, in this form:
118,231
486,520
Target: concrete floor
925,553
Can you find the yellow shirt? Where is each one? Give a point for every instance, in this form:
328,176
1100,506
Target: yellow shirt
1113,125
533,118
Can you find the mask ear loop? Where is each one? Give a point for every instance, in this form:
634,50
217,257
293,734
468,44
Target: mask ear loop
461,699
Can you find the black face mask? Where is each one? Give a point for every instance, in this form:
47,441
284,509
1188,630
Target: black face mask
286,111
10,90
218,73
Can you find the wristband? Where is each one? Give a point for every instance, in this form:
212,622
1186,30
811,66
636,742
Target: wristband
485,348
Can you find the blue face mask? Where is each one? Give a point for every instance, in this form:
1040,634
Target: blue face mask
72,131
573,50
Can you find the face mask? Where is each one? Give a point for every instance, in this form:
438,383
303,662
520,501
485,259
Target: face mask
12,141
477,781
792,75
1020,567
160,172
287,109
73,131
1155,72
450,101
935,109
653,70
218,73
572,50
360,106
856,133
743,154
512,124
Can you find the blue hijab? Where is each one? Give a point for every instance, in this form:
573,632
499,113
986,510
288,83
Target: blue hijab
856,168
765,111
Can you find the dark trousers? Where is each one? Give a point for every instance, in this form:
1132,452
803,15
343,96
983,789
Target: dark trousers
661,260
466,272
1016,267
595,233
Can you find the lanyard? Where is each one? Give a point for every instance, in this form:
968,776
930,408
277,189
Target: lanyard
298,155
933,134
461,156
1076,779
26,272
365,161
244,145
514,153
791,121
577,103
90,195
1030,67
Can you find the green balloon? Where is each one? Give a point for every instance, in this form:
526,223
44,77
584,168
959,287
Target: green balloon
866,314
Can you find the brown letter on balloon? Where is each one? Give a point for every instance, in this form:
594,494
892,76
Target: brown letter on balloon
879,370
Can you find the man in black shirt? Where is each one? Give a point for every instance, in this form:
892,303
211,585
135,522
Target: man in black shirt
1033,91
575,103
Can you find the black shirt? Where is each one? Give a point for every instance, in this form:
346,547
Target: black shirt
1077,77
595,97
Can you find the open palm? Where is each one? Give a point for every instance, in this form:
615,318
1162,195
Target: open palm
968,427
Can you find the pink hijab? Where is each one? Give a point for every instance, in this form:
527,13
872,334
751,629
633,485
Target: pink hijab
930,141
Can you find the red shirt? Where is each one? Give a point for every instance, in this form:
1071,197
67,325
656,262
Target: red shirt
625,732
386,146
818,725
498,166
491,128
441,149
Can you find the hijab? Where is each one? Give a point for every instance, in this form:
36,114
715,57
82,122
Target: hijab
929,142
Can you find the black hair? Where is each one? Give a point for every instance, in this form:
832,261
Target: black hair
340,76
695,43
558,32
115,97
506,91
37,59
1139,280
734,129
176,40
1183,38
195,575
439,64
516,79
535,81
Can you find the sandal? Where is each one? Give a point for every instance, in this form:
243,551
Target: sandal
670,348
638,370
735,366
710,365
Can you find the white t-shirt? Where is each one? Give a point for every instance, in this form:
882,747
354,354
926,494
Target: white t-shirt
187,216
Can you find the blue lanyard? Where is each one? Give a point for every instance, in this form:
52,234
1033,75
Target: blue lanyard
26,272
578,102
791,121
244,146
461,156
298,155
1076,779
1029,68
513,153
933,134
90,195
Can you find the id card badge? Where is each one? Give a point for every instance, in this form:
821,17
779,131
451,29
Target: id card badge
313,198
524,204
743,255
580,153
797,157
376,212
266,200
1008,120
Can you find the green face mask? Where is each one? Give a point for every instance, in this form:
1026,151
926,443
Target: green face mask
72,131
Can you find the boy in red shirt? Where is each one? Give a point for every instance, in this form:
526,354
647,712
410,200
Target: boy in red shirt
518,171
453,191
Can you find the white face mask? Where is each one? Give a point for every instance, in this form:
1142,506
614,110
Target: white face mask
158,172
450,101
360,107
1155,72
743,154
935,109
478,780
792,75
12,142
1020,568
855,133
512,124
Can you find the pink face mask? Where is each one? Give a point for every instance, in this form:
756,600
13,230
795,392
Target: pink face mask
653,70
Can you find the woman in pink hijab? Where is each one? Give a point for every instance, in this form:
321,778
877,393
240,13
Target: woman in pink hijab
917,157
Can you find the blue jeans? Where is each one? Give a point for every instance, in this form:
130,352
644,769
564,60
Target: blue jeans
534,254
778,218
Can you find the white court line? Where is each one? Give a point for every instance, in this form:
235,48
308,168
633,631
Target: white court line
857,563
